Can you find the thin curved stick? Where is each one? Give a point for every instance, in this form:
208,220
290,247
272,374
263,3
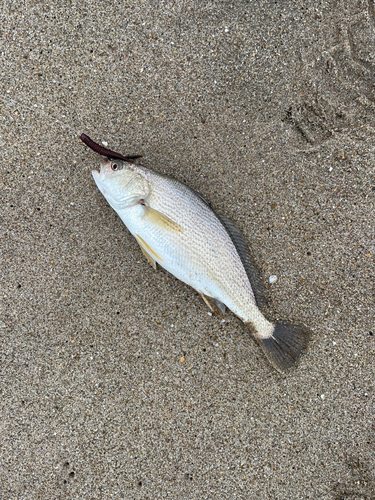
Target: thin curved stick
111,155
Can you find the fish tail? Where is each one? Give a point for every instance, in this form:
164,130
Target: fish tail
284,346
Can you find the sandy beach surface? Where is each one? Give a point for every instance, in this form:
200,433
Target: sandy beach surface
115,382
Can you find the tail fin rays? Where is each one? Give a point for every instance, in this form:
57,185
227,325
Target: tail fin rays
285,346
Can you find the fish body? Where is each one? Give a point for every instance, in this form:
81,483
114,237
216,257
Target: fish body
177,229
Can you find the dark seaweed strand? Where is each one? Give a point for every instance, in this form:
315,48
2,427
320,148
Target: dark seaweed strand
111,155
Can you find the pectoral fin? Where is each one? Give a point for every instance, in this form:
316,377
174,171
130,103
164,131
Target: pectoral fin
148,252
161,220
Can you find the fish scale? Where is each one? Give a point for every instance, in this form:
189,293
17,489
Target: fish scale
206,259
178,229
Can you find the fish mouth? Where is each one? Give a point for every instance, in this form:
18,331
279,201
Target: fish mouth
99,177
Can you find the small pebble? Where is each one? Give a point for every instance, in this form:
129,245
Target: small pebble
105,143
322,396
272,279
209,313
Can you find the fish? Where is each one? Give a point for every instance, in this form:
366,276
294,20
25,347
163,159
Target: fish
177,229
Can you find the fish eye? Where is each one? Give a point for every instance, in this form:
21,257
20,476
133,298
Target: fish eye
116,165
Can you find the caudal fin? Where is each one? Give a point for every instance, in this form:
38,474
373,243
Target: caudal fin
284,347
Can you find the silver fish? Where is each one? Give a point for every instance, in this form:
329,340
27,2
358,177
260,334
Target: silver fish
177,229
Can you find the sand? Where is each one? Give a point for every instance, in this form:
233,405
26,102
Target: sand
115,381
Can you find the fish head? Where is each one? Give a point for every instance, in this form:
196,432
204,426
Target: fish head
120,184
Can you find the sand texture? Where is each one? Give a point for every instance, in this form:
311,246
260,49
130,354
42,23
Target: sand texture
115,382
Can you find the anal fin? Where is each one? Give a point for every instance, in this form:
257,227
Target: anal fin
219,305
213,304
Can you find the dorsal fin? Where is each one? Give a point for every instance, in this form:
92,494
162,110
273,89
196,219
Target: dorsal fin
247,261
